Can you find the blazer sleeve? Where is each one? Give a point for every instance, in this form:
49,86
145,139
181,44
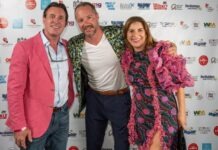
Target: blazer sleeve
16,85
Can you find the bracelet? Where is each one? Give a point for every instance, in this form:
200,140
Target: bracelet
19,130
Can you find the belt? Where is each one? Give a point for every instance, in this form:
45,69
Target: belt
57,109
113,92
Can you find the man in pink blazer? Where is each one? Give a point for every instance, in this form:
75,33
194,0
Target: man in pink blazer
40,86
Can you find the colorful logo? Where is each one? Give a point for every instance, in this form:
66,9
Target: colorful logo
203,60
30,4
193,146
73,148
3,23
216,130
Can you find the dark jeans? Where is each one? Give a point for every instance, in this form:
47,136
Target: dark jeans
99,110
56,136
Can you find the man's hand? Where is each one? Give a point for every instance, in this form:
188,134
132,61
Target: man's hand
21,137
173,49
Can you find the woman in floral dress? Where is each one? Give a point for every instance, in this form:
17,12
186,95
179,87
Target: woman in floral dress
156,77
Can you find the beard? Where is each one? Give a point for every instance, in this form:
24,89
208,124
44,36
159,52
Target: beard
89,30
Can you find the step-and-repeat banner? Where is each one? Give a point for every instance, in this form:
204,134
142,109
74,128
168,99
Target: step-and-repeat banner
192,25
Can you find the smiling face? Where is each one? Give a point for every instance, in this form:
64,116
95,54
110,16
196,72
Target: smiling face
54,22
136,36
87,20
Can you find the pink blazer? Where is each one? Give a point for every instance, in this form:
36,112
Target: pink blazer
31,87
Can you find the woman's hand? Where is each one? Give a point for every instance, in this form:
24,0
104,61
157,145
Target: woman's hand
172,49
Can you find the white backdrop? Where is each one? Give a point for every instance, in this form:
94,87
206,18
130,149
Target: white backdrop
192,25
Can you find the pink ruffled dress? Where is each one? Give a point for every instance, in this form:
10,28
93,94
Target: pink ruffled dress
154,76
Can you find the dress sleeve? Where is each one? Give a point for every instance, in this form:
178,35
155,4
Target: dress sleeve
170,70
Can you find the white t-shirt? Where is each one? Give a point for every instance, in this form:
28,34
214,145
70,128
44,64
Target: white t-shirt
103,66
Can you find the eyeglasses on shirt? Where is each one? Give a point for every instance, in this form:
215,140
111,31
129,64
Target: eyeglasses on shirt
56,60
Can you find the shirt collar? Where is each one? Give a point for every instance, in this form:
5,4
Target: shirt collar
46,42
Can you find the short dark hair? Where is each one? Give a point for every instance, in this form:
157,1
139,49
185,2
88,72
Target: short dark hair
58,5
83,4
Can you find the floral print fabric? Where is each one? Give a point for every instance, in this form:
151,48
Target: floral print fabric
153,105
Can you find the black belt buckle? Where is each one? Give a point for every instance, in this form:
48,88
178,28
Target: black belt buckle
57,109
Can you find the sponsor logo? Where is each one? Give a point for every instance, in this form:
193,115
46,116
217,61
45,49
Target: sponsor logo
189,131
21,39
209,25
97,5
188,95
45,3
152,24
6,133
110,5
190,60
187,113
211,95
176,7
2,79
213,42
103,23
183,25
117,23
198,96
5,42
167,24
12,148
126,6
199,113
213,113
7,60
79,116
73,148
3,23
82,133
204,130
208,7
196,25
200,43
75,3
158,6
206,146
5,39
71,133
3,115
30,4
208,77
193,7
71,23
195,78
33,24
215,130
185,42
4,97
193,146
17,23
203,60
145,6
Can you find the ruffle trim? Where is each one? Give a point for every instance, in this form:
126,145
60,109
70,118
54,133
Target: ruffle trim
171,74
170,70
